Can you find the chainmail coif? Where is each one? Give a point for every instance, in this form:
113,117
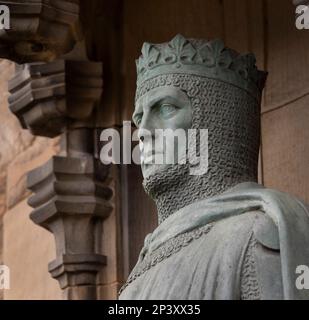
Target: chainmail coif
232,117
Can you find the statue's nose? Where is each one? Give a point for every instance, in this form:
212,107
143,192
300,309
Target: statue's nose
146,128
145,135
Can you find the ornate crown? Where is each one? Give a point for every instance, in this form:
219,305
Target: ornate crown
201,57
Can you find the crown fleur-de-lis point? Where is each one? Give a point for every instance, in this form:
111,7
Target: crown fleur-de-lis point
218,46
206,55
177,43
149,58
183,49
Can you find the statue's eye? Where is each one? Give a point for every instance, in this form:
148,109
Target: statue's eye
138,119
167,110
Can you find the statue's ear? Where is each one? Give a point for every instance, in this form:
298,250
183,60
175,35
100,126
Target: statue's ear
266,232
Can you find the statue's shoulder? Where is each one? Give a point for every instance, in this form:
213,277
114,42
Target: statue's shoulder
285,208
236,228
255,223
266,232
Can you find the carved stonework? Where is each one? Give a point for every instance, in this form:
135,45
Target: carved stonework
40,30
48,96
71,199
56,90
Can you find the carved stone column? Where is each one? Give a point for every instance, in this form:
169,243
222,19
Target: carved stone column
57,91
40,30
71,199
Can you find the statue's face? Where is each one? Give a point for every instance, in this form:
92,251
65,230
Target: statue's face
161,108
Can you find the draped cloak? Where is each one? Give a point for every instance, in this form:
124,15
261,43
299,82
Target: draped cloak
243,244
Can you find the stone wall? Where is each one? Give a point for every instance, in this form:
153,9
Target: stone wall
285,115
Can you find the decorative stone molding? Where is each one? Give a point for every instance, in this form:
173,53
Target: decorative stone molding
77,274
40,30
46,97
71,199
57,91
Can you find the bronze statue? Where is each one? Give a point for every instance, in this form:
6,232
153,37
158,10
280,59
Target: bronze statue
221,235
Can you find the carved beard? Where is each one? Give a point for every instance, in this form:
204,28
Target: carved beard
232,118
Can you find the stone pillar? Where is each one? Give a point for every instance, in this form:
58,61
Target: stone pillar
56,90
